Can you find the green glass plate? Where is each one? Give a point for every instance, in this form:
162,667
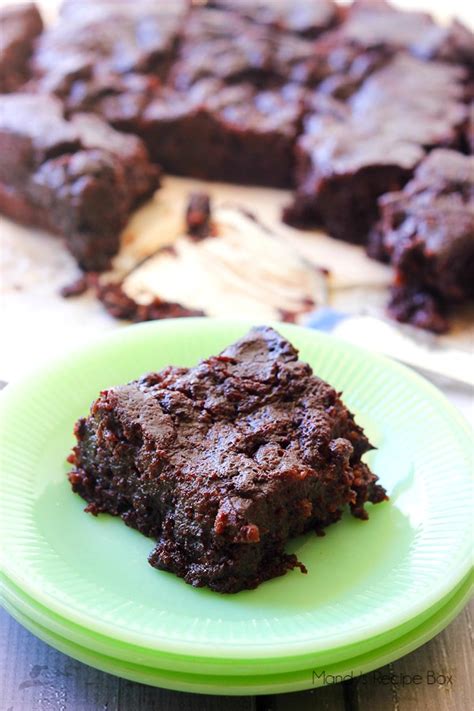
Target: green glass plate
301,679
110,647
365,578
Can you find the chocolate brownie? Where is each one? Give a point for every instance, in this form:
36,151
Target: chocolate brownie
217,132
232,90
108,57
227,46
417,101
78,178
426,231
19,26
337,67
224,462
139,36
234,47
119,99
345,162
376,23
372,33
301,17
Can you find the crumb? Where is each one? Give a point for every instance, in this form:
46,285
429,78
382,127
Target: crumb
122,306
75,288
198,216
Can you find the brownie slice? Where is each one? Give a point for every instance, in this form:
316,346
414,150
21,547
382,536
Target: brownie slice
108,57
427,232
139,36
371,34
119,99
78,178
19,26
227,46
338,66
345,162
301,17
218,132
224,462
376,23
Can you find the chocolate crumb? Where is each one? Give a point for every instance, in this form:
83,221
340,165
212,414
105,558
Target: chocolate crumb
122,306
198,216
289,316
79,286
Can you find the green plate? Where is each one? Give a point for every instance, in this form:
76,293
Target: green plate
365,578
303,678
197,665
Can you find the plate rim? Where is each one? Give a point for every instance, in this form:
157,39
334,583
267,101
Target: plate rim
31,608
392,651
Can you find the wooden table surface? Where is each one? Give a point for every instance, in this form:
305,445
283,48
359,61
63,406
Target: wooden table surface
35,677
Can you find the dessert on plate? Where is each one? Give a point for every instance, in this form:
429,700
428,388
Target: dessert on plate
224,462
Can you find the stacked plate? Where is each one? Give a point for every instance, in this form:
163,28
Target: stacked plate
375,590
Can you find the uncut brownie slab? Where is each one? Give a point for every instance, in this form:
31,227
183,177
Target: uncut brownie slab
304,18
224,462
345,162
108,57
379,24
78,178
368,35
138,36
426,231
218,132
238,46
224,45
19,26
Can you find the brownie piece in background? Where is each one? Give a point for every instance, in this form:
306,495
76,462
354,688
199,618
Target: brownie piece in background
225,45
78,178
308,19
376,23
138,36
426,232
372,32
119,99
341,171
224,462
213,91
140,175
338,67
344,163
218,132
108,57
210,48
20,25
235,46
422,102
